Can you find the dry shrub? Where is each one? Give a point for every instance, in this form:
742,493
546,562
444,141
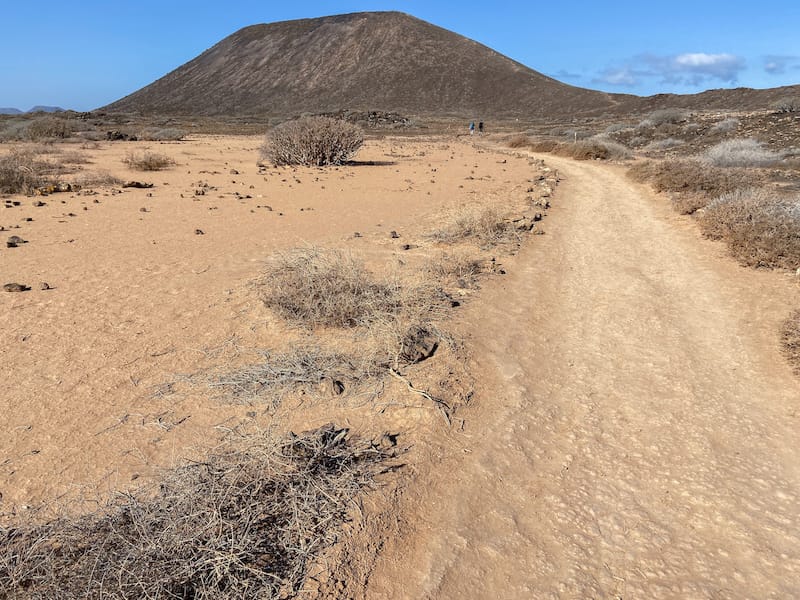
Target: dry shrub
761,228
665,116
787,105
692,178
519,141
456,266
49,128
166,134
660,145
790,336
97,178
148,161
307,368
595,148
250,521
326,287
486,225
312,141
740,153
725,126
22,172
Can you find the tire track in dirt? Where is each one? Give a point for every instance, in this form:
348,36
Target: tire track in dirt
636,431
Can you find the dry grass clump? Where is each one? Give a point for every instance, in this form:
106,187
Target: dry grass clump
790,336
487,225
97,178
164,134
660,145
725,126
247,522
694,183
595,148
665,116
148,161
49,128
519,141
22,172
312,141
307,368
787,105
460,267
316,287
760,227
740,153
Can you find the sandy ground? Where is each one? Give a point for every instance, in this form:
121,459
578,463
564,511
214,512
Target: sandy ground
91,369
635,434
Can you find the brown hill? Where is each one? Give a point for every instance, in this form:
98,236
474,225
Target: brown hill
363,61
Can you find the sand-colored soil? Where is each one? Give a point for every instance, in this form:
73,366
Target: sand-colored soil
635,435
93,370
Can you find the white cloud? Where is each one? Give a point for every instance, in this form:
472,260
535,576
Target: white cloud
689,68
622,77
776,64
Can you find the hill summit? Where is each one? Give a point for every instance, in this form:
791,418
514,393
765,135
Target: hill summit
386,61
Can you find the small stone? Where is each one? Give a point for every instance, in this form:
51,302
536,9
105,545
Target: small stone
199,232
394,235
44,286
15,287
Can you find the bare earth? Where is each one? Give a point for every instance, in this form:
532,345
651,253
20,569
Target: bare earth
93,392
636,432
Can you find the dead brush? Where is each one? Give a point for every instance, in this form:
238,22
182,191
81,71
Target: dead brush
250,521
355,367
461,269
309,369
326,287
312,141
519,141
760,227
148,161
692,183
487,225
22,172
790,337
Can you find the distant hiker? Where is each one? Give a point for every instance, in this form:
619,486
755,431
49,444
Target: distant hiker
480,128
472,128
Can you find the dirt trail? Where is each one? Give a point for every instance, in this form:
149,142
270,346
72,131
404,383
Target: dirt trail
636,435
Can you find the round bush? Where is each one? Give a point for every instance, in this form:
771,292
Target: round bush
312,141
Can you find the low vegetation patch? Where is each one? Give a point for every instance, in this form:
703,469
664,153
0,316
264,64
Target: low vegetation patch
740,153
665,116
761,227
725,126
312,141
324,287
22,172
594,148
790,336
148,161
692,183
486,225
249,521
165,134
45,128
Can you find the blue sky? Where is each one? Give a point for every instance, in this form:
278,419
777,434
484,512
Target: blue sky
83,55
